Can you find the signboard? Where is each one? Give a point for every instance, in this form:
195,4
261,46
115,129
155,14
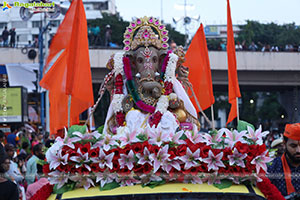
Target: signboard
13,105
211,31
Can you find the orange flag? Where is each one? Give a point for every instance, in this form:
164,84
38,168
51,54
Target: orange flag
199,70
71,72
233,84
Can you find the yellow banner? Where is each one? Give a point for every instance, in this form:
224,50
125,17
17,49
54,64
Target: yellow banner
10,105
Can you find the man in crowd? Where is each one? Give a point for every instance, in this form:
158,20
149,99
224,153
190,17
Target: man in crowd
285,170
5,35
32,165
13,173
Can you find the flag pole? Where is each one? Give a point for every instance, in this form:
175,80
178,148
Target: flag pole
237,109
69,110
199,107
212,117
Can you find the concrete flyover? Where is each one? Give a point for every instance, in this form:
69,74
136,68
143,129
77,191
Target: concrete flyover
260,70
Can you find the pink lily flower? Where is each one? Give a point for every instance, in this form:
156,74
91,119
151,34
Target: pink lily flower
147,178
82,180
105,177
192,179
127,180
126,136
157,136
145,158
59,178
81,159
104,160
261,161
190,159
210,139
87,135
161,157
213,178
194,136
214,162
234,137
127,160
256,136
171,163
57,159
106,142
175,137
237,158
69,141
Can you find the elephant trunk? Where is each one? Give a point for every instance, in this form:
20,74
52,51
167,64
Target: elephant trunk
154,87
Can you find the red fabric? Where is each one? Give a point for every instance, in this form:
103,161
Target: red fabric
292,131
71,73
233,84
269,190
199,70
287,175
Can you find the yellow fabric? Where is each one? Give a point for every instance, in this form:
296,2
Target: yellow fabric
167,188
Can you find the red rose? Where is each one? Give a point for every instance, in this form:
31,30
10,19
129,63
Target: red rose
204,151
261,149
116,152
227,151
241,147
137,148
96,168
171,152
116,166
120,117
193,147
203,168
124,171
154,149
65,149
46,169
193,171
78,146
181,150
62,168
94,152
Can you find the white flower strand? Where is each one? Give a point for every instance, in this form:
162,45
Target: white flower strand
171,67
118,64
162,104
117,102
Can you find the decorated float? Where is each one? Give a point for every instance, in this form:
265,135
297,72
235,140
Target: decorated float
151,136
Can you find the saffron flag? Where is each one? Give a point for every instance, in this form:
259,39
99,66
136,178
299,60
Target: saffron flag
233,84
71,72
197,61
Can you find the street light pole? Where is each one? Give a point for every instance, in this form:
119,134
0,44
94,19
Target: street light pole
41,63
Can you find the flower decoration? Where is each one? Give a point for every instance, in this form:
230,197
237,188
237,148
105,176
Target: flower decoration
158,157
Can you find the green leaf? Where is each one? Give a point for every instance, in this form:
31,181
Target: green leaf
224,184
109,186
142,137
81,129
153,184
242,125
63,189
100,129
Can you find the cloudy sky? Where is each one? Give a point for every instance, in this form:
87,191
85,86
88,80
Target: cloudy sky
213,11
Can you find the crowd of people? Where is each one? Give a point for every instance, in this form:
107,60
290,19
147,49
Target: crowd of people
94,37
8,37
256,47
20,152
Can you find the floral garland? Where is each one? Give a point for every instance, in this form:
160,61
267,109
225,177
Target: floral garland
269,190
118,91
43,193
152,156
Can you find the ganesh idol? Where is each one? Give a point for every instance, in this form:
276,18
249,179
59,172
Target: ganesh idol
147,84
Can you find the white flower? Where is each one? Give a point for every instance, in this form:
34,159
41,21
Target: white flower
118,64
117,102
82,180
105,177
171,67
127,136
234,137
162,104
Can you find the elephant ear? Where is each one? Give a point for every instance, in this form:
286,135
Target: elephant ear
162,54
131,55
